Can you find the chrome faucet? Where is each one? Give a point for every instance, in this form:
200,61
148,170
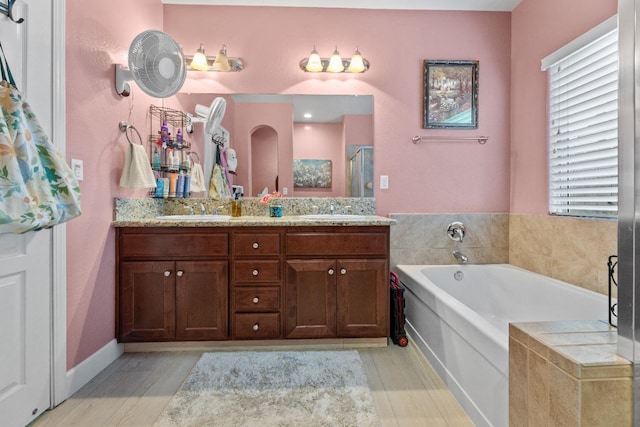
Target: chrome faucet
332,210
345,210
460,257
456,231
215,212
190,209
203,210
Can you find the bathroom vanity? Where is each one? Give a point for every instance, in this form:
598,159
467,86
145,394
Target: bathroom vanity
252,278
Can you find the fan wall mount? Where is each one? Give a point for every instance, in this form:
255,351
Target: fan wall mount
156,64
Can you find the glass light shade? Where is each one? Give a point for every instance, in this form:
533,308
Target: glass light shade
199,61
357,64
335,63
222,62
314,64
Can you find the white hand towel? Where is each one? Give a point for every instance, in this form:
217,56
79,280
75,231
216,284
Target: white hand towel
197,178
137,171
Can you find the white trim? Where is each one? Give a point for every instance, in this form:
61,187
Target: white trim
84,372
580,42
59,389
480,5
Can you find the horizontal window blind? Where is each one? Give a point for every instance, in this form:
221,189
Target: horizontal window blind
583,130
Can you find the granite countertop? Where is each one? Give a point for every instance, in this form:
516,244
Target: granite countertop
142,212
253,221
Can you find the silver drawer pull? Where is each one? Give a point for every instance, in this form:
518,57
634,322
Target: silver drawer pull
167,273
256,300
180,273
255,245
256,327
330,272
343,271
255,272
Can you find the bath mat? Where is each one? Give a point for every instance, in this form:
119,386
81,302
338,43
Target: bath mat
273,388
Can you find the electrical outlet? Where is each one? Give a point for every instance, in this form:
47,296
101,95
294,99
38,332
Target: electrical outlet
384,182
78,169
285,191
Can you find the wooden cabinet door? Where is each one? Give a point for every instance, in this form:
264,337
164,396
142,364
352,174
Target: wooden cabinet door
147,301
310,293
201,300
363,298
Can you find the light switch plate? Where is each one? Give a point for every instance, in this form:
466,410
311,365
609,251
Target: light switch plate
78,169
384,182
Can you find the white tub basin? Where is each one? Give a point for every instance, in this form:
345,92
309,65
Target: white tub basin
335,217
194,217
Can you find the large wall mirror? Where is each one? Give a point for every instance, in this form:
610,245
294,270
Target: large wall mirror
304,145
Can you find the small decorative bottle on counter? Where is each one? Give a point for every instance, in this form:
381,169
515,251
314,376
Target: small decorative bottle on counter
236,206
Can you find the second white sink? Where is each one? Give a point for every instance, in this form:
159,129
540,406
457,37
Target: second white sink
194,217
335,217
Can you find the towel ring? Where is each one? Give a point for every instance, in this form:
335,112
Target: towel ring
124,127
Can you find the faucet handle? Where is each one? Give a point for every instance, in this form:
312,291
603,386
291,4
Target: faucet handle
215,212
345,210
190,209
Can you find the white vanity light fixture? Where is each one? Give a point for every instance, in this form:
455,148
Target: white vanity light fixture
334,64
221,62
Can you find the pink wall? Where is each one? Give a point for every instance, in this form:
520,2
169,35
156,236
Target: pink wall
358,129
539,27
321,141
429,177
98,36
264,153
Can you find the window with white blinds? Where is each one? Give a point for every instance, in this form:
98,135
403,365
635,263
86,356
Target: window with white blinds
583,130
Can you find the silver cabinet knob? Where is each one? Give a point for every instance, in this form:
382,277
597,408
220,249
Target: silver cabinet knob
255,245
330,272
167,273
343,271
256,300
255,272
180,273
256,327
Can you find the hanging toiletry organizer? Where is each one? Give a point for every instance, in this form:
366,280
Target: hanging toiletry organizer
169,150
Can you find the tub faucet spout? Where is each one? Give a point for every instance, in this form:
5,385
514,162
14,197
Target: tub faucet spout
460,257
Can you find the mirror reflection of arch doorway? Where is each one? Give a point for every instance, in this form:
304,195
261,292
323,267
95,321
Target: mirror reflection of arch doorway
264,160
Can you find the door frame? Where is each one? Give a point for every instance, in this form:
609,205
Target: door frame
59,386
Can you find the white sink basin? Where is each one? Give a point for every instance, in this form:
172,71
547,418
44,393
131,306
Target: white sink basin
194,217
335,217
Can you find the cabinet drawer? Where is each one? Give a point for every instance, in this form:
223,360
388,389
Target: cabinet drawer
254,271
256,244
337,244
173,245
256,326
256,298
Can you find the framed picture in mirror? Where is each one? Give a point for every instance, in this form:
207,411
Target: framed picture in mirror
450,94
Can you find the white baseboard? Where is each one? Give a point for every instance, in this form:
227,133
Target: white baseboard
84,372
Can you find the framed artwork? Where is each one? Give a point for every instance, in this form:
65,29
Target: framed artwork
310,173
450,95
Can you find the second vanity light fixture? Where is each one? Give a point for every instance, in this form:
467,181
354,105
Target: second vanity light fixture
221,62
335,64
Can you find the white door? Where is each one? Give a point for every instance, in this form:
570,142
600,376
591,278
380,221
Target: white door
26,260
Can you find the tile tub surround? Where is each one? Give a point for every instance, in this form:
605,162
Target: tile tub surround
422,239
574,250
143,208
568,373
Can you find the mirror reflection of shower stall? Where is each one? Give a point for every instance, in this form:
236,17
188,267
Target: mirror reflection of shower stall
360,172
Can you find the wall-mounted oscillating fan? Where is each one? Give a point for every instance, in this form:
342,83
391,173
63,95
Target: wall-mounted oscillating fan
156,64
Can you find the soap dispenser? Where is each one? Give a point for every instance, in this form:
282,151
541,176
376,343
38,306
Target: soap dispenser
236,205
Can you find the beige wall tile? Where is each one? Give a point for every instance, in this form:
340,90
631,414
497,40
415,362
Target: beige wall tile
564,402
606,402
518,383
538,390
